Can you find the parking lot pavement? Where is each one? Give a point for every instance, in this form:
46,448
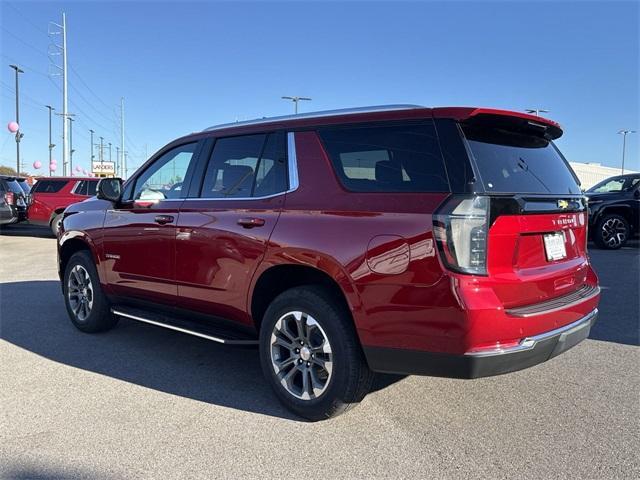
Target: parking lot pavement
142,402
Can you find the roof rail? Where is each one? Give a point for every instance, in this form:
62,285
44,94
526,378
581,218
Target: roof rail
324,113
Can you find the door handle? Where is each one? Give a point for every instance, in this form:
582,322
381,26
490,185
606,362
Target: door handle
251,222
163,219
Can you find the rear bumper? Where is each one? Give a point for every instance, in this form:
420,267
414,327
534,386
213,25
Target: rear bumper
531,351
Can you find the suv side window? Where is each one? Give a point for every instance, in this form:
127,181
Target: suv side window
163,179
86,187
386,157
246,166
49,186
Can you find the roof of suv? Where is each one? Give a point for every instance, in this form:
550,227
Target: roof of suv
385,112
66,178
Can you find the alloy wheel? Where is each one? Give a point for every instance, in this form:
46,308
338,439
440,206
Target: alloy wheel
614,232
80,292
301,355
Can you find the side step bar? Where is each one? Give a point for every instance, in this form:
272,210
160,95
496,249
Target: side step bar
208,332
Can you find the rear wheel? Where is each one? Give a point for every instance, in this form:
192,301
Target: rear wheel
310,354
87,306
55,223
612,232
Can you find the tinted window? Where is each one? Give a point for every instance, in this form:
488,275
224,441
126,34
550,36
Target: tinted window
49,186
510,162
26,188
86,187
246,166
14,187
163,179
387,158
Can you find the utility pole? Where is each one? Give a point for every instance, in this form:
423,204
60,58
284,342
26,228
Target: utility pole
109,151
71,150
123,163
624,144
536,111
62,51
92,155
19,135
124,155
295,101
118,166
101,147
51,145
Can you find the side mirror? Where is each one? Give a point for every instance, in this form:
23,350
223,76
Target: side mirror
110,189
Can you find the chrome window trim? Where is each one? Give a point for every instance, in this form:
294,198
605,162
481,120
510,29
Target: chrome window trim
319,114
292,167
75,187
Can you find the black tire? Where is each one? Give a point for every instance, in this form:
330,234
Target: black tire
55,224
99,317
350,378
612,232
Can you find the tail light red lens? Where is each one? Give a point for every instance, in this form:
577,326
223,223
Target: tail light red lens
460,229
9,197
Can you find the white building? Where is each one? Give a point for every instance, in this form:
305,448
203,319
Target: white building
592,173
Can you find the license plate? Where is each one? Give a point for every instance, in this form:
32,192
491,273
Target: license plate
554,246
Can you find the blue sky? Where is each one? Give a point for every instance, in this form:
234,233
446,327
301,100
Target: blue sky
184,66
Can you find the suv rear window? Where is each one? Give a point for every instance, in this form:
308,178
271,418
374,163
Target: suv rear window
510,162
14,186
386,158
49,186
26,188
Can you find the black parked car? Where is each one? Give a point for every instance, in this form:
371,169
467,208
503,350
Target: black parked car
13,204
26,188
614,210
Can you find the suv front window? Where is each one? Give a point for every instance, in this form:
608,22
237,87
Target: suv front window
613,185
163,179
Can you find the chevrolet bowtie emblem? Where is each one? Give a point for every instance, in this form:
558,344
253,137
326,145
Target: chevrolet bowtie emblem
563,204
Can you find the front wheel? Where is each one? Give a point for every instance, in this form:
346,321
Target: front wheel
87,306
55,224
310,354
612,232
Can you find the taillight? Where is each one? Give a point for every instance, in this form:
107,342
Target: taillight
460,229
9,198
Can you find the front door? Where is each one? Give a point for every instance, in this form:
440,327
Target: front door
139,234
223,234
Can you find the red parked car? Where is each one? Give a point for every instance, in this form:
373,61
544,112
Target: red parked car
444,241
51,195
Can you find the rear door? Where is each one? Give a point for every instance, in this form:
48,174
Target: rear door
227,220
538,226
138,245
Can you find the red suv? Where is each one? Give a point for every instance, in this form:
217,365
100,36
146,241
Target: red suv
444,241
51,195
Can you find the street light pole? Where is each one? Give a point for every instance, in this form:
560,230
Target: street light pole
92,155
624,144
19,135
536,111
51,145
295,101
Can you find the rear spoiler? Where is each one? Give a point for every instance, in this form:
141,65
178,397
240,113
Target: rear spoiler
506,119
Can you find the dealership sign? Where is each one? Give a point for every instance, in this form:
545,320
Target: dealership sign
108,168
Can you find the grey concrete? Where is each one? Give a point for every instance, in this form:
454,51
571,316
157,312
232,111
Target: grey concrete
141,402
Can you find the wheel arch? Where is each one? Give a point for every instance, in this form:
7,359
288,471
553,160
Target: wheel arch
623,210
275,279
70,243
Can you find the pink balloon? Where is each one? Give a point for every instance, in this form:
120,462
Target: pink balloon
84,172
52,167
37,165
54,161
13,127
78,168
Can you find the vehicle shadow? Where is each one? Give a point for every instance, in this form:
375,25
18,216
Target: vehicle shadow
25,230
141,354
618,272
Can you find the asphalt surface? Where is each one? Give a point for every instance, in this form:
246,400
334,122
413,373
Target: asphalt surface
142,402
